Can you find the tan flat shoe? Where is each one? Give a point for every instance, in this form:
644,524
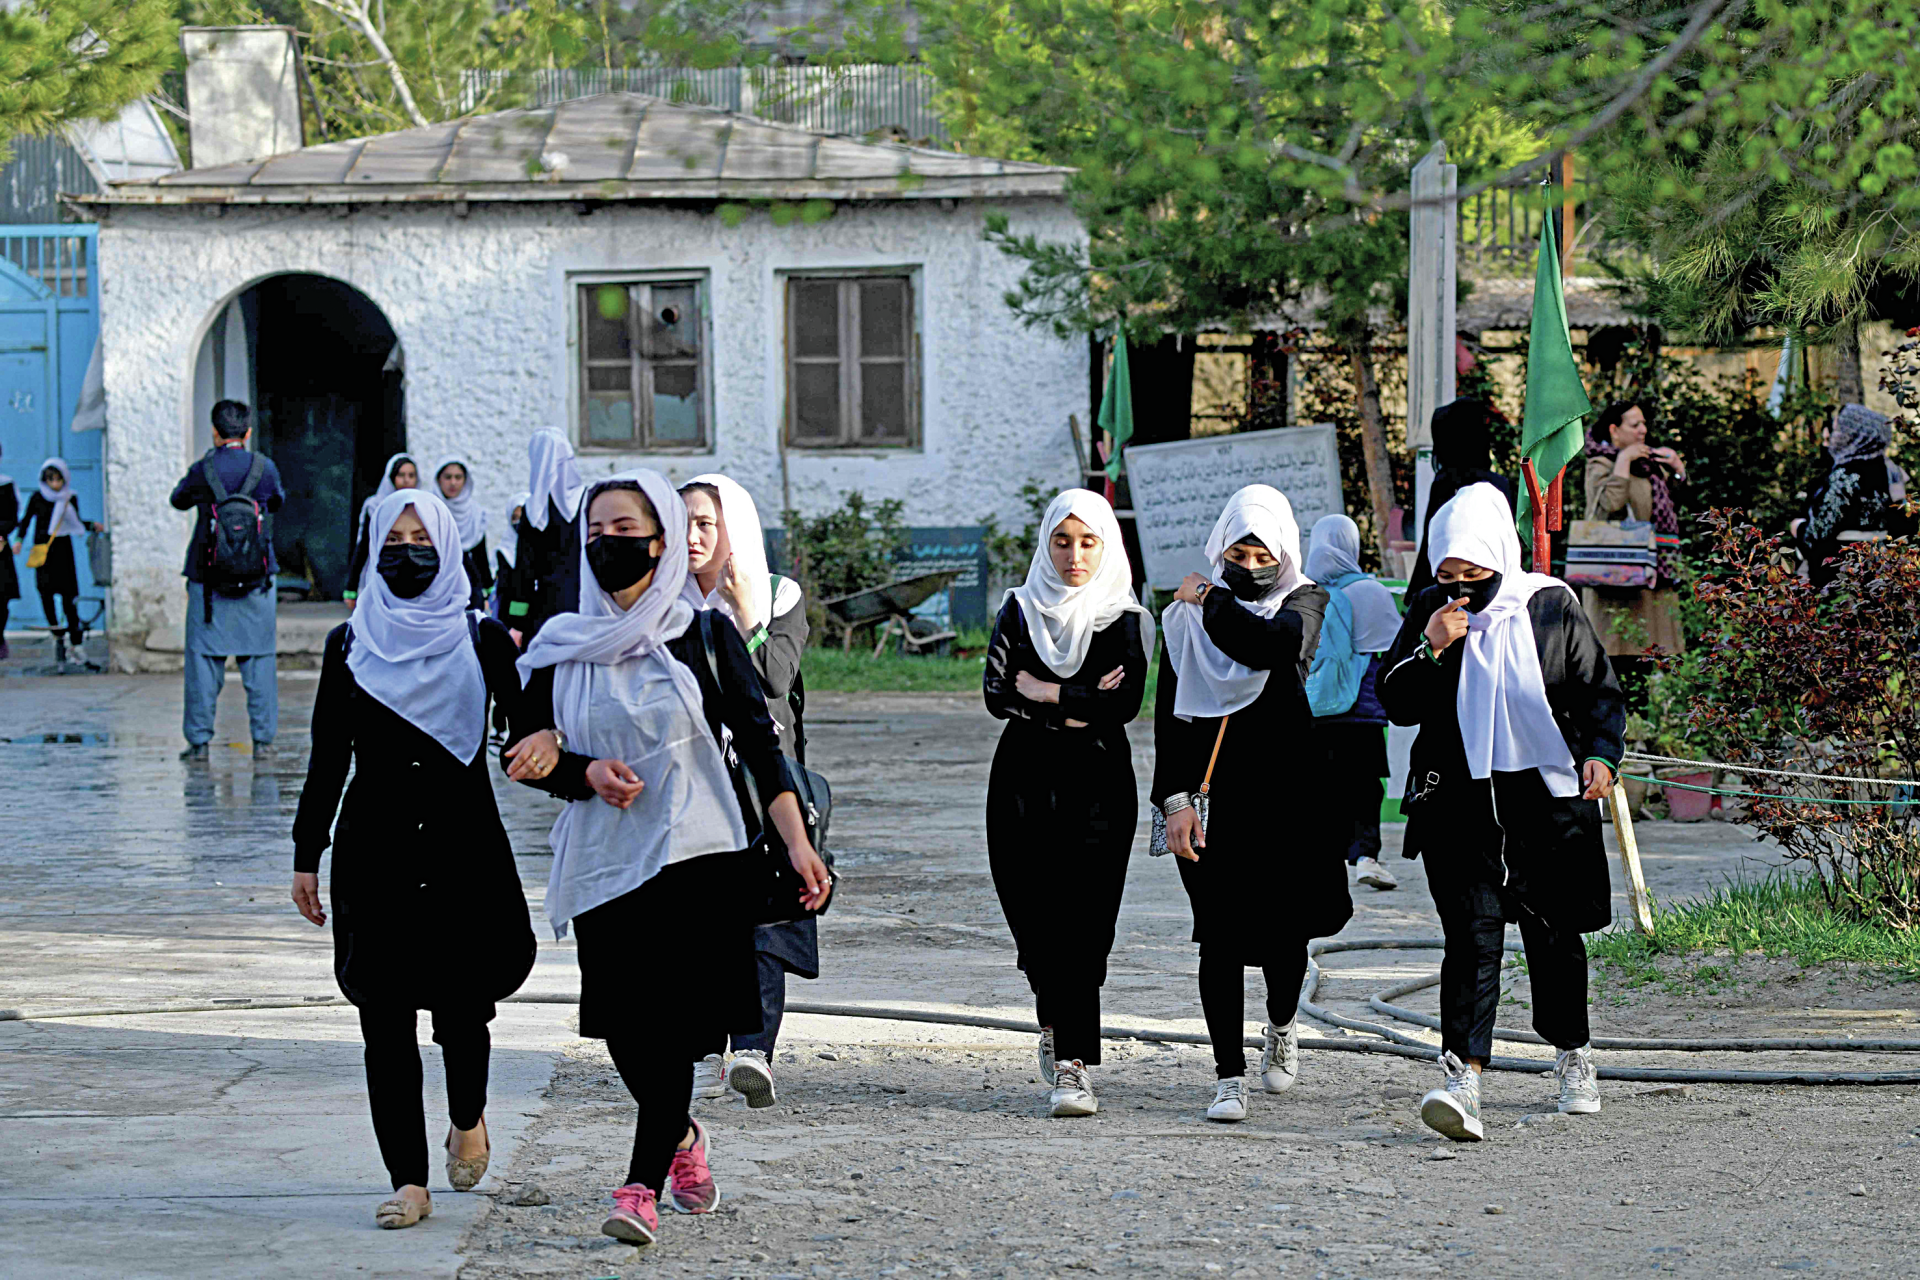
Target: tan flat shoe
401,1212
465,1175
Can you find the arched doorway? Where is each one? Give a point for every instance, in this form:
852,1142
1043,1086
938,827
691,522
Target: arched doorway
322,368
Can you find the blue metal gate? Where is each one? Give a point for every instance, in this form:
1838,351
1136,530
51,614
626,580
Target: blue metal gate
49,320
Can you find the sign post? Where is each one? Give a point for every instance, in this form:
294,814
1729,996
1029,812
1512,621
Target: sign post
1433,232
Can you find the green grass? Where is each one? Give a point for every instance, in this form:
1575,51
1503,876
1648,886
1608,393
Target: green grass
858,671
1781,915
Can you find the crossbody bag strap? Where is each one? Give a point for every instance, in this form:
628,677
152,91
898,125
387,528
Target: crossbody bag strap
1206,783
704,618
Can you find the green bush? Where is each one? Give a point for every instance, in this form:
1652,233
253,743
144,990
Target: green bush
843,551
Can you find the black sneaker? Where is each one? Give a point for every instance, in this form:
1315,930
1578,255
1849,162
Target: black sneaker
263,751
195,751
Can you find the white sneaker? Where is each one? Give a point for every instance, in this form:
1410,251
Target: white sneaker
1280,1057
1072,1090
1229,1101
1579,1084
709,1077
1044,1051
1372,873
1454,1108
751,1076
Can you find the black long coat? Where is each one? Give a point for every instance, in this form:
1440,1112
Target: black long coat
1062,805
58,576
9,515
428,912
1274,869
546,578
1542,852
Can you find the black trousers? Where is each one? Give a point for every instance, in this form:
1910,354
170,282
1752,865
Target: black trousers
75,630
1223,1001
1356,773
394,1082
1072,1008
657,1068
1475,929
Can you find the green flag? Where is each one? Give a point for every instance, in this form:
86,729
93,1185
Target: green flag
1556,401
1116,405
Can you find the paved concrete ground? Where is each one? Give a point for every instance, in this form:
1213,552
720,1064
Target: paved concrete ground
235,1143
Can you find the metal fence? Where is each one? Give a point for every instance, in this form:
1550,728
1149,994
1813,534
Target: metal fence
860,99
33,178
62,262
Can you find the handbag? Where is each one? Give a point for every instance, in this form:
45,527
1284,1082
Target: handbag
37,554
1611,553
1202,801
776,899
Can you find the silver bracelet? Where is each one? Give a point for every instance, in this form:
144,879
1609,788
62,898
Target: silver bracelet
1175,803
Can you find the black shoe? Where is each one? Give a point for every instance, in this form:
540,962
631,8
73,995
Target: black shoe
194,751
262,750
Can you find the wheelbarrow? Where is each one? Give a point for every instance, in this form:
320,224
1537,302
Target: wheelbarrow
892,608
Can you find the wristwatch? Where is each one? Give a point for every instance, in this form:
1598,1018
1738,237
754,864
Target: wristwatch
1200,592
560,738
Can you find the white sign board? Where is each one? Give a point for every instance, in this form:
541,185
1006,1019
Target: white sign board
1180,488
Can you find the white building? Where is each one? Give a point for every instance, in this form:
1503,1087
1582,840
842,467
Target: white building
673,287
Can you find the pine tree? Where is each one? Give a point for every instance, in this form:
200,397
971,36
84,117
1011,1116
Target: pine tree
64,61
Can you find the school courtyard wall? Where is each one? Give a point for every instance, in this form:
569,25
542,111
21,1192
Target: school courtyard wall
483,306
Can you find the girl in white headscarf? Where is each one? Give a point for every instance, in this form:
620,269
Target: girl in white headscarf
421,862
52,519
401,472
546,566
651,857
1066,670
1521,728
1361,622
727,572
453,478
1263,877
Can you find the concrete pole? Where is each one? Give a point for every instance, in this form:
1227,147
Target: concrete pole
1431,274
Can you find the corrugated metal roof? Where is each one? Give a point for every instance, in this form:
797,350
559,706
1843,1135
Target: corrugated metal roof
614,146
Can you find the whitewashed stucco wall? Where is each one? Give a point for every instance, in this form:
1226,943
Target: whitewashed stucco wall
483,307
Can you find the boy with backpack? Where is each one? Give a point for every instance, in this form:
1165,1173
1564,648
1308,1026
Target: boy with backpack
230,569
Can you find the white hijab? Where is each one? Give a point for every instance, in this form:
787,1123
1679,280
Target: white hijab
1506,721
1211,683
552,476
416,657
386,487
1334,553
1062,620
748,544
468,514
611,670
64,520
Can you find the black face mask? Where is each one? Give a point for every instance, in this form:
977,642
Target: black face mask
408,568
1250,584
619,562
1479,593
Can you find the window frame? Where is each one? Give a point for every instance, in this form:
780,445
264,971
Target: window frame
578,284
851,360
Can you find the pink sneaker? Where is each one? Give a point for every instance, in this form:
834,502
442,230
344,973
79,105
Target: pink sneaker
634,1218
690,1186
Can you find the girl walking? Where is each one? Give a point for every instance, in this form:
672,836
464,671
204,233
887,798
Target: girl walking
1066,670
1231,721
52,521
546,577
421,861
1362,621
9,577
1520,732
652,855
727,572
454,478
401,472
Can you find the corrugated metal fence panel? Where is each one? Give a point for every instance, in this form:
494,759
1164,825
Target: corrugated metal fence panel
59,257
31,182
860,99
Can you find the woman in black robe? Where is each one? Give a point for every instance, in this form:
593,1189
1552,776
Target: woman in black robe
1521,727
546,577
727,572
1462,455
53,517
1237,649
420,858
1066,669
9,577
401,472
1856,494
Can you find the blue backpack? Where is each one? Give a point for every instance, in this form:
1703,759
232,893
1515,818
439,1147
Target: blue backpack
1333,681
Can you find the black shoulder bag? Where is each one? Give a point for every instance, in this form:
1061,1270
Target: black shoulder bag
778,899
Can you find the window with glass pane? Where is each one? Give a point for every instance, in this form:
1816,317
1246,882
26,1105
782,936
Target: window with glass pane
642,365
850,362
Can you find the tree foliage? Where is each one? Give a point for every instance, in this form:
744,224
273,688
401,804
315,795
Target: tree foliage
63,61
